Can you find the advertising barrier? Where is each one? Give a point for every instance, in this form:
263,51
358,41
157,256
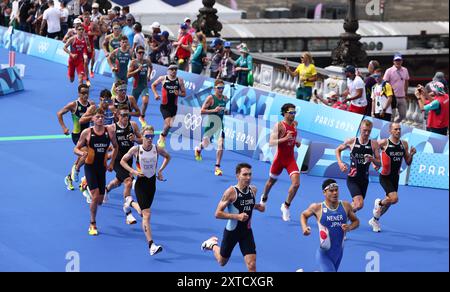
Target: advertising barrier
10,81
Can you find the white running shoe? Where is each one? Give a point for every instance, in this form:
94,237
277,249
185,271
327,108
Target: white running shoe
105,197
210,243
262,202
130,219
87,195
377,208
126,205
154,249
74,174
133,184
286,214
375,225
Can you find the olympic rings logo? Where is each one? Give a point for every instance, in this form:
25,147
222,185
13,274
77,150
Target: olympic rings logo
192,121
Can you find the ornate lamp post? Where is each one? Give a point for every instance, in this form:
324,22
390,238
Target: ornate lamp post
349,50
207,21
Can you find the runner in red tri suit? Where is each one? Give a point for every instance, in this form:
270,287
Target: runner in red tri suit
78,55
284,136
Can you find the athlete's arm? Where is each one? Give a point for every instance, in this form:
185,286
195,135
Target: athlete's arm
154,84
312,210
382,144
182,88
258,207
110,57
376,160
276,132
69,107
137,135
408,154
105,45
165,154
351,216
69,43
81,143
150,70
208,102
338,152
87,116
124,161
228,197
112,136
134,106
133,69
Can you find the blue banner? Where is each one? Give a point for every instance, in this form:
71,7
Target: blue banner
10,81
44,48
429,170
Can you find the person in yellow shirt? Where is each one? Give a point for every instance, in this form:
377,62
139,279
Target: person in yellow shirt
307,76
382,96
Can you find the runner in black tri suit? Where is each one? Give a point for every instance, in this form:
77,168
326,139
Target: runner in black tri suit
393,151
172,87
97,140
77,108
122,98
239,200
363,152
127,132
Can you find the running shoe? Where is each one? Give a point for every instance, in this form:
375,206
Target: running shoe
93,230
210,243
263,200
74,174
68,182
105,197
198,155
154,249
161,143
375,225
92,74
88,83
377,208
130,219
286,214
142,121
87,194
218,172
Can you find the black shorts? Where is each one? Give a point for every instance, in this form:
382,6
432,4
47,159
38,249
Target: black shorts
96,177
389,183
75,138
145,189
231,238
357,186
168,111
121,173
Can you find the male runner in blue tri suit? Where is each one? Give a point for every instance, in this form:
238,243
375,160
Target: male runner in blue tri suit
332,216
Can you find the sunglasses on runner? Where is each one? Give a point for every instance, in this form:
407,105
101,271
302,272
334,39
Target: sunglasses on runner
141,52
291,112
125,115
149,136
84,92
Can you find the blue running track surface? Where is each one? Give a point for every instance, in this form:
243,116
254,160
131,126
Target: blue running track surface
41,221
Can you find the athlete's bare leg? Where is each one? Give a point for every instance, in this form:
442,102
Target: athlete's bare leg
295,184
250,261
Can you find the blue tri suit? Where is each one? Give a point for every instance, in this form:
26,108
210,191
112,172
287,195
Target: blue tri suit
329,254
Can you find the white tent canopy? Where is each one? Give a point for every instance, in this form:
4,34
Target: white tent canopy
148,11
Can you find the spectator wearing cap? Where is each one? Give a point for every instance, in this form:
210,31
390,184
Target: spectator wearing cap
183,47
52,19
95,16
156,29
226,69
434,102
164,49
198,58
382,96
217,45
440,77
190,29
307,76
244,65
370,82
398,77
355,92
127,29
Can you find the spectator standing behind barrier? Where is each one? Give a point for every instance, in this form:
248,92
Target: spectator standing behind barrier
95,16
382,96
64,18
217,45
197,61
355,92
398,77
436,105
52,19
370,82
183,48
127,29
307,76
244,65
164,49
226,69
